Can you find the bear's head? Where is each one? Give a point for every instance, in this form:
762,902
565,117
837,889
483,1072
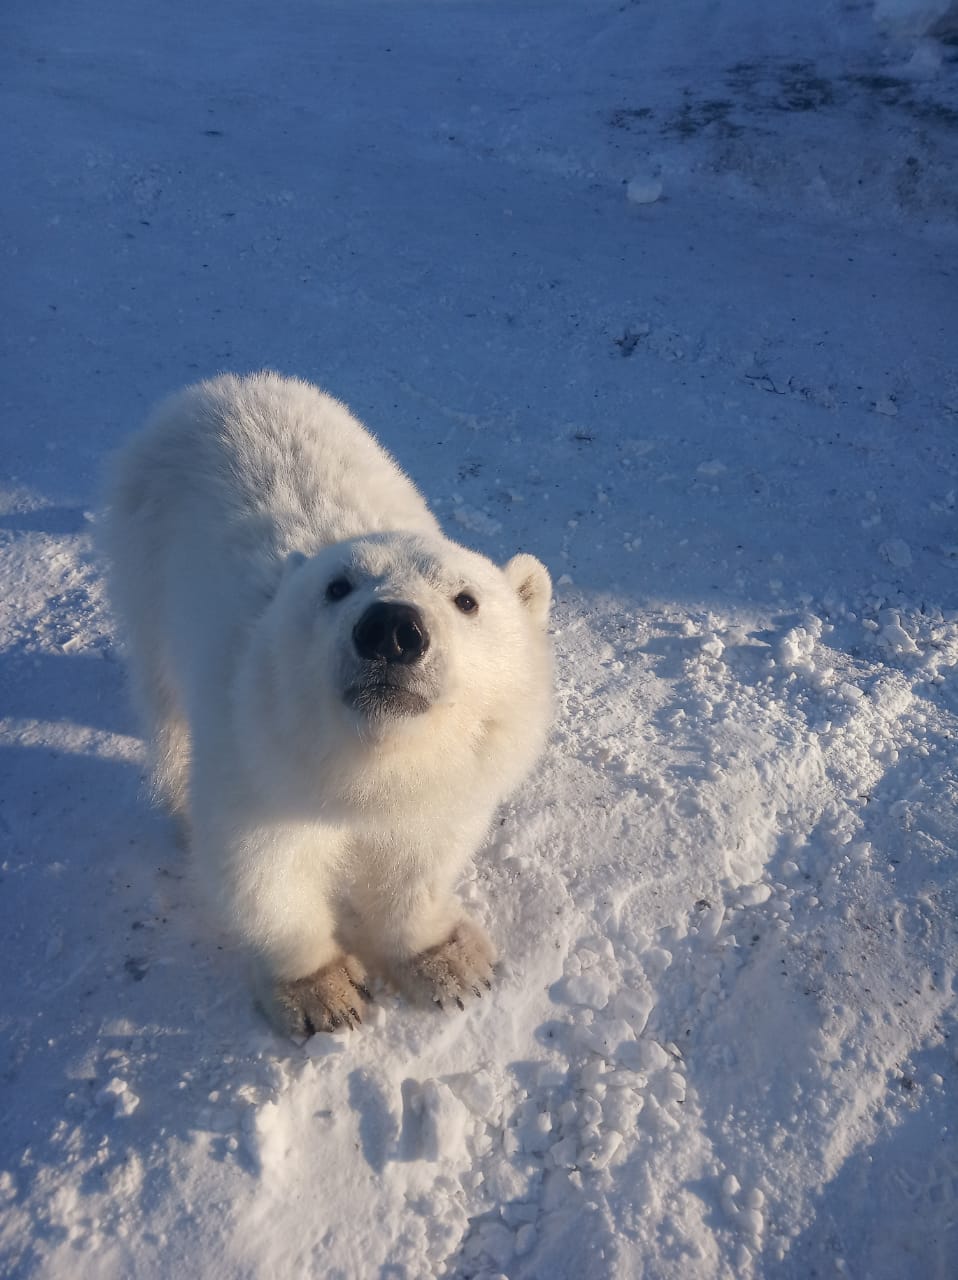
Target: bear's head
399,651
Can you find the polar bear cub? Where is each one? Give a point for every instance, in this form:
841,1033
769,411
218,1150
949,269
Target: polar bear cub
337,696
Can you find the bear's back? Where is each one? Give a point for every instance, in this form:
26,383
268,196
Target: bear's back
271,460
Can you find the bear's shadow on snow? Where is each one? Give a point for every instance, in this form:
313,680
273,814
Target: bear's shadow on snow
52,520
85,689
133,991
117,976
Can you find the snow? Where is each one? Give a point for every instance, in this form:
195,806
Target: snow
722,1039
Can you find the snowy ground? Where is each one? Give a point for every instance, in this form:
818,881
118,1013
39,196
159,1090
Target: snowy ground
666,293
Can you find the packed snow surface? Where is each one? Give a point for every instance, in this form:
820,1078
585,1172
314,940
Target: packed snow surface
664,293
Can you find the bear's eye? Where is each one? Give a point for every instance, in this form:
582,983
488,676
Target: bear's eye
466,603
338,588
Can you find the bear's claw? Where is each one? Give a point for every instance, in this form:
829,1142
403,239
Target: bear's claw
322,1001
452,970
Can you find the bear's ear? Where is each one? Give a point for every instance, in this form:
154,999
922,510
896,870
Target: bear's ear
530,580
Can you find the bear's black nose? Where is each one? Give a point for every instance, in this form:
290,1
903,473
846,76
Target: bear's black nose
389,632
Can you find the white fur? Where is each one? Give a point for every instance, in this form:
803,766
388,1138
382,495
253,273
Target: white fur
318,829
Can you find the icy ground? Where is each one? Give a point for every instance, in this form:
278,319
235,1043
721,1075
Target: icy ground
666,293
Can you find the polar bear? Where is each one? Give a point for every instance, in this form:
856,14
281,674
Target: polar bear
337,696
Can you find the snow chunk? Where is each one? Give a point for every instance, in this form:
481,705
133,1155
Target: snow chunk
603,1037
590,989
479,1093
671,1087
324,1046
655,961
442,1119
752,895
534,1129
796,647
476,521
644,189
496,1242
711,920
896,552
894,637
565,1153
598,1154
748,1214
117,1093
646,1055
711,469
263,1135
633,1007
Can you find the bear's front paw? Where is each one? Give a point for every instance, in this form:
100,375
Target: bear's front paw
331,997
444,974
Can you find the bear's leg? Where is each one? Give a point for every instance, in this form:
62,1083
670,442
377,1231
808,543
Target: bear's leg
167,732
273,890
171,767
